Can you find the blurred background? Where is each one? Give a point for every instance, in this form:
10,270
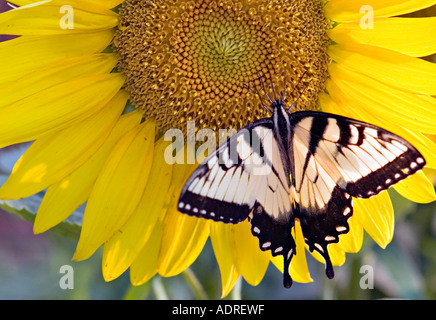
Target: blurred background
30,264
30,267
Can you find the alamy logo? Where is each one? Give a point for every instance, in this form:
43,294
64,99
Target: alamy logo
67,280
67,20
367,20
367,279
252,146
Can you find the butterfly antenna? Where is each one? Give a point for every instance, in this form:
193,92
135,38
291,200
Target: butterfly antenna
274,90
260,97
263,88
302,92
284,88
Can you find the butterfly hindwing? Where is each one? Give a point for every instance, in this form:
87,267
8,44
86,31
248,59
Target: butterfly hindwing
322,226
336,158
275,235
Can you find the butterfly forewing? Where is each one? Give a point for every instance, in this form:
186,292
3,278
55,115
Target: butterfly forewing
362,158
241,172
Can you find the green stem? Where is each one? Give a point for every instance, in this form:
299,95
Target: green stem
137,292
195,285
235,294
159,289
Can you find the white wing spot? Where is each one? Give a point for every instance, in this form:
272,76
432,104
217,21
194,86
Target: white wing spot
341,229
181,205
413,165
195,210
256,230
388,181
188,206
320,248
420,160
329,238
266,245
279,249
347,210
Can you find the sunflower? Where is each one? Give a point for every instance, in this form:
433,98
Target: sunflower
76,64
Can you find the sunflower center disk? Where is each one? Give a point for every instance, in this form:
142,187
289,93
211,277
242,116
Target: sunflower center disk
193,60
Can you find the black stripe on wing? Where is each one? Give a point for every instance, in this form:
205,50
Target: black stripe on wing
208,208
408,163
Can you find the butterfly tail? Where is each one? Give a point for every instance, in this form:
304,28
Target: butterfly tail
287,279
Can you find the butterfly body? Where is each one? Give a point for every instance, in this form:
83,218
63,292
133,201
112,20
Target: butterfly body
302,166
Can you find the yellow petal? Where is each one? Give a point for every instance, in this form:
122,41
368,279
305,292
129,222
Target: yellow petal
45,19
352,241
92,5
329,105
52,157
251,261
118,189
183,236
62,198
349,10
417,188
54,74
390,67
376,215
183,239
56,108
122,248
221,236
298,269
336,253
27,53
412,36
403,108
145,265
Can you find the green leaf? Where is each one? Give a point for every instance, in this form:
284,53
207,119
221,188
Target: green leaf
27,208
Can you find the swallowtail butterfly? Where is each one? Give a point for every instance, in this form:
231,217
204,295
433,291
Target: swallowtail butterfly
302,165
